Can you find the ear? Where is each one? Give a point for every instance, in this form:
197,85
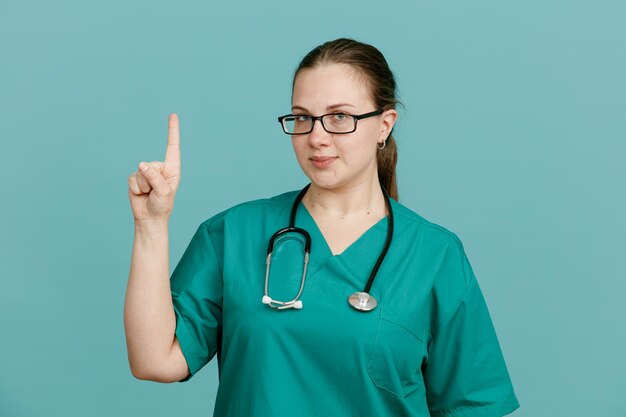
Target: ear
387,121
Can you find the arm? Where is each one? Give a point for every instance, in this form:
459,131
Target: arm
149,320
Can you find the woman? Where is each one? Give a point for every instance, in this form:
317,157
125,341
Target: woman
385,319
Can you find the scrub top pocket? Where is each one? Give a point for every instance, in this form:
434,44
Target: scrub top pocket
395,362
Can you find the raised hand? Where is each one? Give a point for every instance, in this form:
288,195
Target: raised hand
152,191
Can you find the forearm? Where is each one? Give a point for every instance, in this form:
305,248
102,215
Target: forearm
149,318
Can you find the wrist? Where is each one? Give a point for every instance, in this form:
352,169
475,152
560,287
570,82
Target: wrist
151,225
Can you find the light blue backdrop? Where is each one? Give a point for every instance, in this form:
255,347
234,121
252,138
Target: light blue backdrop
513,137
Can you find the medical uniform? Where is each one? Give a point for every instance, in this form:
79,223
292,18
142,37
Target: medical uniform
428,349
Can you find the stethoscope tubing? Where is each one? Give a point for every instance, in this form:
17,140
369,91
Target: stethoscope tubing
295,302
307,250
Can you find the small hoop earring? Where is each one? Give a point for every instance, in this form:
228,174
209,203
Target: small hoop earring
384,144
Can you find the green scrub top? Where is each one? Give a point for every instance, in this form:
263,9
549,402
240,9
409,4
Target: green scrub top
428,349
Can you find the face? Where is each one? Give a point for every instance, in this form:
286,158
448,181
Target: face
317,91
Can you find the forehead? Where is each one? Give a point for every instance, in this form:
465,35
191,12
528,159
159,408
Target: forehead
328,84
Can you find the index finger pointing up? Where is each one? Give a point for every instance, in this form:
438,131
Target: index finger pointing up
172,154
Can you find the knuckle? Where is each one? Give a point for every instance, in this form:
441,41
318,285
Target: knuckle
167,191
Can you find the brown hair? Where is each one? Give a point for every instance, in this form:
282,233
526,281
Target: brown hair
370,63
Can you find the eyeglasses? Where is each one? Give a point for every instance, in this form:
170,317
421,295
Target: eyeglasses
301,124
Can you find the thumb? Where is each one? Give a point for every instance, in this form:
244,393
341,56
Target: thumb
154,178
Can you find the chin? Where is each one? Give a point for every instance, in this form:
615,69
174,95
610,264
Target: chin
323,181
325,178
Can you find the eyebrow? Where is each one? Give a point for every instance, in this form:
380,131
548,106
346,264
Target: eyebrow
327,108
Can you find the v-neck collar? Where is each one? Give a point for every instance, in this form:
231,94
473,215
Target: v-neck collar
358,258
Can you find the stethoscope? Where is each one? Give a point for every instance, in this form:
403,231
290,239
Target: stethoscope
360,300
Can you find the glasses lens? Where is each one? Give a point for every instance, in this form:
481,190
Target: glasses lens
339,123
297,124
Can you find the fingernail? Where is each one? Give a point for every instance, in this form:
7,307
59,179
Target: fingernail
143,166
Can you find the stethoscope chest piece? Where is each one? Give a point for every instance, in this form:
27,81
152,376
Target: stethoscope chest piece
362,301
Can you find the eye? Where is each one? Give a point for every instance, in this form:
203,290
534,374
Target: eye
340,117
301,117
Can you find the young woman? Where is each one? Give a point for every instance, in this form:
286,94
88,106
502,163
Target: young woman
332,300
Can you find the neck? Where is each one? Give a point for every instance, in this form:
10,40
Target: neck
365,198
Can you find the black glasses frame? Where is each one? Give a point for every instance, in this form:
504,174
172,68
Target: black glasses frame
356,118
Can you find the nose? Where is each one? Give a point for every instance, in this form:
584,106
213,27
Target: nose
319,136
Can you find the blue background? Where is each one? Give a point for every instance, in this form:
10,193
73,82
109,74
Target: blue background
512,136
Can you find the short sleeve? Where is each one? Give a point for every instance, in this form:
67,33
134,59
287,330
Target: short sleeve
465,374
196,287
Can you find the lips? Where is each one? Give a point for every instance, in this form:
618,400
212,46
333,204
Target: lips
321,158
322,161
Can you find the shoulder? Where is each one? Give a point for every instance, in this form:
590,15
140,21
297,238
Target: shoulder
443,251
435,243
410,221
251,210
